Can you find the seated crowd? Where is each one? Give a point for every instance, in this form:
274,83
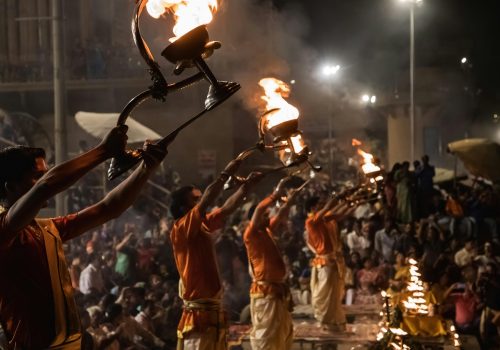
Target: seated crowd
127,283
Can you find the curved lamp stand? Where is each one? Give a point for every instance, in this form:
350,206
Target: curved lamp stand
179,50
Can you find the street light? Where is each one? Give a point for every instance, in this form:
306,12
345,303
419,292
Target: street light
366,98
330,70
464,60
412,4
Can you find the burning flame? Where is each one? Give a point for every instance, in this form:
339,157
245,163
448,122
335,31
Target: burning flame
356,143
368,165
275,90
188,14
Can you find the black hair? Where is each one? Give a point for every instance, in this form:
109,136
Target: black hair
112,312
179,201
311,203
15,161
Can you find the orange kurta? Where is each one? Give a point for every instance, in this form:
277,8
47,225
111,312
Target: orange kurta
266,262
324,239
195,259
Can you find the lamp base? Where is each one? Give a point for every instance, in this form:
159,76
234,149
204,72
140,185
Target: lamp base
220,93
121,164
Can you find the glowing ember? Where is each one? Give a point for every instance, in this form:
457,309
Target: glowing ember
275,90
188,14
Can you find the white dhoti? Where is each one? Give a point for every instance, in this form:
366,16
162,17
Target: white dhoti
272,324
327,291
211,339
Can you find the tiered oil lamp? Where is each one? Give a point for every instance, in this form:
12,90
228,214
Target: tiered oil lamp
279,123
186,51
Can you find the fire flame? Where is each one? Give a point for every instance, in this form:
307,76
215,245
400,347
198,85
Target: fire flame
356,143
275,90
368,165
188,14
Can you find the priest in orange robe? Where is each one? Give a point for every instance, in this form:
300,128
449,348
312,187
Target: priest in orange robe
203,323
270,302
328,265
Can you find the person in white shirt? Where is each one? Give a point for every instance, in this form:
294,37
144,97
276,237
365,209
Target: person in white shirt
357,239
466,255
91,279
385,241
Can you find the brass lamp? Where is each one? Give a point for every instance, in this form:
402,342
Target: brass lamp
188,50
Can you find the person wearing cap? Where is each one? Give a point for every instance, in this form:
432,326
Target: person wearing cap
203,324
37,307
328,265
270,299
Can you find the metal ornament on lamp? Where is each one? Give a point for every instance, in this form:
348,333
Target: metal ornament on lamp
187,51
287,139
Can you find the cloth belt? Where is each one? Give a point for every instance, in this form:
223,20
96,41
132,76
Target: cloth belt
202,304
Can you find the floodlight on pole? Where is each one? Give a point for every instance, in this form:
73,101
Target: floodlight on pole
367,98
329,70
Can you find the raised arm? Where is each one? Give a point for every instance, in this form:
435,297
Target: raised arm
215,188
236,199
284,210
122,196
330,204
261,208
340,212
61,177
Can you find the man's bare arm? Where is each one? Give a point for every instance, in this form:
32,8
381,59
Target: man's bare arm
60,178
215,188
283,211
236,199
261,209
122,196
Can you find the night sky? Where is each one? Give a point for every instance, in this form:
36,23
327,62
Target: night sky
371,37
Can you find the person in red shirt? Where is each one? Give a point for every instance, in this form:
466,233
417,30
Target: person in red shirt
272,327
37,308
328,266
203,324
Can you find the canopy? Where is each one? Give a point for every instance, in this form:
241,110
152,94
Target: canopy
98,125
481,157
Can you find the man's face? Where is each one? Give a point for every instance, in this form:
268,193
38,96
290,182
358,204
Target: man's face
28,180
193,198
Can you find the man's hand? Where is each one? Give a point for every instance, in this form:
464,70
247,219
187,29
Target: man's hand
115,141
153,154
280,189
253,179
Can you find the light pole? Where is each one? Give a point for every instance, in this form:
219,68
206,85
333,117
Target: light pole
329,71
412,5
59,93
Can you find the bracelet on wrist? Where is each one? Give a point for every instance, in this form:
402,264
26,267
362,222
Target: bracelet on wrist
224,176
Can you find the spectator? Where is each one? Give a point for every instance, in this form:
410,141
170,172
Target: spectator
91,279
466,255
357,240
385,241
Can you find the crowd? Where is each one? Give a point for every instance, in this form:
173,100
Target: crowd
127,283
